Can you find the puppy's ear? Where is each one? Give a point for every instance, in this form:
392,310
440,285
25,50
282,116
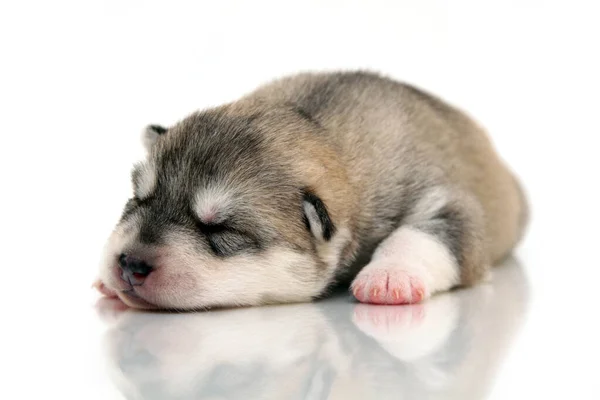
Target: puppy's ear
151,134
316,217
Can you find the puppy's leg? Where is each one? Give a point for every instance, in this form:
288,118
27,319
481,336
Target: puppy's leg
438,246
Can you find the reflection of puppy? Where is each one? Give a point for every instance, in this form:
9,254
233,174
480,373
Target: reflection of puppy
455,342
276,196
259,353
450,345
406,332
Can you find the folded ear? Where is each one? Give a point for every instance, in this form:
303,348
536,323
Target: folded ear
317,218
151,134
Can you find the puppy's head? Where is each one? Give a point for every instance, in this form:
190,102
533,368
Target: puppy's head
220,216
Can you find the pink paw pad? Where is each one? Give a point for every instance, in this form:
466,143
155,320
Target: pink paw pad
388,285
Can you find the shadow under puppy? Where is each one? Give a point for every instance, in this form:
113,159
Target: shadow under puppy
309,181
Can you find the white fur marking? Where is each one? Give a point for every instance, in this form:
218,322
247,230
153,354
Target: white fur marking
146,181
422,254
212,204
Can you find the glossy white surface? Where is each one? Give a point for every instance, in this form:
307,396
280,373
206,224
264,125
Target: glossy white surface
449,347
79,80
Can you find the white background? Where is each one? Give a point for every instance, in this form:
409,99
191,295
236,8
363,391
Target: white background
79,80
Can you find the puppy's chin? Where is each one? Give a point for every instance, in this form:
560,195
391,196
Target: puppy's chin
134,301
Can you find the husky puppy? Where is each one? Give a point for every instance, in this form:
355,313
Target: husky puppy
310,181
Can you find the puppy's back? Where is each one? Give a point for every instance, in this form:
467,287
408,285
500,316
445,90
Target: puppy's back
395,141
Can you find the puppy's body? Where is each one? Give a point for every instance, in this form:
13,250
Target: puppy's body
301,184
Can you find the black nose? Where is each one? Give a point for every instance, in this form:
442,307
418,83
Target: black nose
133,269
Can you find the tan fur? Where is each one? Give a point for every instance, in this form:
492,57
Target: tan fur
374,120
446,142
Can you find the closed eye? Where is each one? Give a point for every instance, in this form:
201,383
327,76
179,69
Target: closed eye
229,243
225,240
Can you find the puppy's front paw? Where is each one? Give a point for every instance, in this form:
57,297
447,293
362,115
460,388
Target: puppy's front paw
382,282
102,288
406,268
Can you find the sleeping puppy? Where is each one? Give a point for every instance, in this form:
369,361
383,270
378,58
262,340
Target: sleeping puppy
311,181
